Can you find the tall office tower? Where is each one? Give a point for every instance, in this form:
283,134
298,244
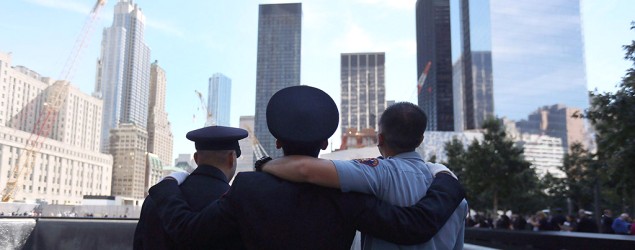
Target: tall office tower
538,56
472,58
363,97
219,95
454,45
67,164
128,148
278,62
555,121
435,53
123,71
160,139
246,160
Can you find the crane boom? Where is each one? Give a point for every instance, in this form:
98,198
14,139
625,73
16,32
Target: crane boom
55,98
208,113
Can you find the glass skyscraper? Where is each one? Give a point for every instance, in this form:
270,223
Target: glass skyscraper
278,62
538,56
453,43
219,99
472,59
123,71
434,52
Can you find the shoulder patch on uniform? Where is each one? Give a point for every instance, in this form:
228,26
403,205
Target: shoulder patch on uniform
371,162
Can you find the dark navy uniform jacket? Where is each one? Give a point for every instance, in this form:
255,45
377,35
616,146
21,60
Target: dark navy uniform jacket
205,185
270,213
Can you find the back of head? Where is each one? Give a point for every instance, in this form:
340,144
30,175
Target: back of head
302,118
403,125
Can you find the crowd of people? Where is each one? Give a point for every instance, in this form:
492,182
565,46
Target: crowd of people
555,220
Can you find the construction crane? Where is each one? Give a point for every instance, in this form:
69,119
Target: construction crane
422,78
55,98
208,113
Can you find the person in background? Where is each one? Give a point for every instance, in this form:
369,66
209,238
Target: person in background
518,222
586,224
607,222
622,224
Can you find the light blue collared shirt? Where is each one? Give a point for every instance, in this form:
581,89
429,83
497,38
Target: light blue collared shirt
401,180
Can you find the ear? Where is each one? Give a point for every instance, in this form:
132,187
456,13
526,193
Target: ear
196,158
278,144
325,144
380,139
231,157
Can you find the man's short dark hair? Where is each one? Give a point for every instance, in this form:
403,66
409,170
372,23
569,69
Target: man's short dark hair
403,125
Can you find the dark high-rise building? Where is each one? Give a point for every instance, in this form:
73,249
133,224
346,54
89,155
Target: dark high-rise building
454,44
363,97
278,62
434,48
472,58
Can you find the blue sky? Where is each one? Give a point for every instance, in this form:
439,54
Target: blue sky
194,39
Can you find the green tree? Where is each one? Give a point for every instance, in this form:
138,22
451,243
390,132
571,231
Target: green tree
455,151
613,117
580,176
494,171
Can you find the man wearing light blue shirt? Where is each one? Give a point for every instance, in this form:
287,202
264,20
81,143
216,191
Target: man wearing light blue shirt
401,178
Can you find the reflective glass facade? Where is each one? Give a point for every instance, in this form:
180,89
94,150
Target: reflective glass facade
219,99
434,47
454,37
472,57
278,62
538,56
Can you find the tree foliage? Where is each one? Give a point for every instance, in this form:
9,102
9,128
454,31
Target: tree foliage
494,171
613,118
581,176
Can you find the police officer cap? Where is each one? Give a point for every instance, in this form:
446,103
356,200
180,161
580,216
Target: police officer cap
217,138
302,114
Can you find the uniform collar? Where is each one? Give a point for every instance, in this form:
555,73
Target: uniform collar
407,155
211,171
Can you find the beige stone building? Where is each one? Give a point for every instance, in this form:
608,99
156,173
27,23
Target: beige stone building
556,121
128,144
160,139
66,164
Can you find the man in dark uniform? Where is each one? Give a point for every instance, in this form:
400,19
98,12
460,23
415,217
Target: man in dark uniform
216,152
271,213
